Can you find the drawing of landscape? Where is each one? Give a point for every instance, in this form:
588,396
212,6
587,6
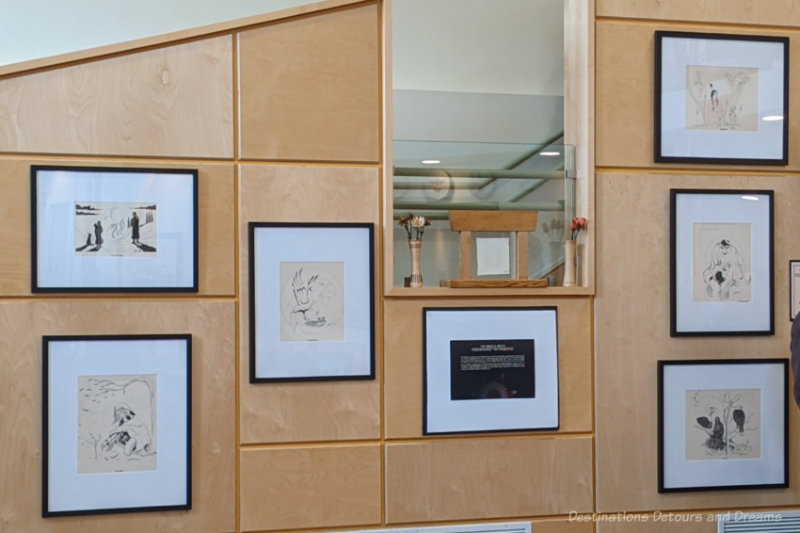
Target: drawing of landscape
721,98
117,423
723,424
722,266
312,301
116,229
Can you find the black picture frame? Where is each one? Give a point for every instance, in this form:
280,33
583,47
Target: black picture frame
113,229
742,120
490,369
723,424
721,262
312,301
116,424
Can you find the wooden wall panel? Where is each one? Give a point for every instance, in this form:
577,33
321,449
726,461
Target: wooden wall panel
217,227
212,325
632,333
625,91
216,221
774,12
310,88
324,486
472,479
175,101
403,360
310,411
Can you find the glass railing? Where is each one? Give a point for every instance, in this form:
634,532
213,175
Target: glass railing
433,179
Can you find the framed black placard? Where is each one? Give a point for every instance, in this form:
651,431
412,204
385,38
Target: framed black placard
721,257
116,424
490,369
113,229
721,98
723,424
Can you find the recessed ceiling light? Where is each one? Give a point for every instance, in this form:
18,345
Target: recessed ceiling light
772,118
550,153
430,161
751,198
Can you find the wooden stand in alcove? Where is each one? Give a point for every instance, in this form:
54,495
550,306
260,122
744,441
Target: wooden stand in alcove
517,222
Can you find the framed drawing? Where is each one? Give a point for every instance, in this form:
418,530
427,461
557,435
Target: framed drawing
490,369
311,301
721,98
722,424
113,229
117,424
721,254
794,289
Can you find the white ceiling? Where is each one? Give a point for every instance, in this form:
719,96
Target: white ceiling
33,29
485,46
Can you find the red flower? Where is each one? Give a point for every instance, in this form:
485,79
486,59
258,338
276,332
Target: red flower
578,223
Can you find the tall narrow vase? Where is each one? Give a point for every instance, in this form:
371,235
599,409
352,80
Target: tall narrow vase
415,245
569,263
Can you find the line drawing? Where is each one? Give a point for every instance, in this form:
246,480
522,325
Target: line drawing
312,305
723,424
117,429
120,229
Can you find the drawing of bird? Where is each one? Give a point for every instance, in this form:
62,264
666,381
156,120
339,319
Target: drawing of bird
704,422
738,417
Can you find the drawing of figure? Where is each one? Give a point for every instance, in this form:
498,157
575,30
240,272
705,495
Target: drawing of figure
306,299
117,427
125,229
135,228
724,275
98,234
726,422
312,301
128,434
721,98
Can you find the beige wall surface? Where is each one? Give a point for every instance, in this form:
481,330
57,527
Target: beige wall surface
768,13
211,325
470,479
310,87
174,101
325,486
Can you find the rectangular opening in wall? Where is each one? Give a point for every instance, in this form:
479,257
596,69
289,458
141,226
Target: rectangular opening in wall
482,135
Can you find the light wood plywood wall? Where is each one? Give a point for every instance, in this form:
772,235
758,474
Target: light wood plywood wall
282,117
632,260
210,322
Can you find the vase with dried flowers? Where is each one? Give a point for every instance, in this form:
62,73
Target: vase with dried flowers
578,223
415,227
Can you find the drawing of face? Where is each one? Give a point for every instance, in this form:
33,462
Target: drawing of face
725,247
301,289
